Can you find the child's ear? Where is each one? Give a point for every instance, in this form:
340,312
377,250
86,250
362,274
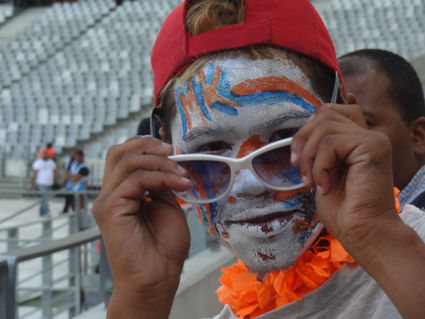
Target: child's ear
162,136
348,97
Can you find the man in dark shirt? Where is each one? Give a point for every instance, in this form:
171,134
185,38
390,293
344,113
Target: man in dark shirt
390,94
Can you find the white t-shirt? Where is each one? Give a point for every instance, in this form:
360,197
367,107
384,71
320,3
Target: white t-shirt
349,293
45,175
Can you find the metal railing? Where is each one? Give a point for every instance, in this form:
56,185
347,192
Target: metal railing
10,261
58,282
80,219
54,290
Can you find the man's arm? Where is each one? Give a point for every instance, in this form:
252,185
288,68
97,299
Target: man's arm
33,177
352,170
75,178
56,174
395,258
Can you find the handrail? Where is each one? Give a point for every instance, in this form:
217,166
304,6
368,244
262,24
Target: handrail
54,246
39,221
51,193
10,259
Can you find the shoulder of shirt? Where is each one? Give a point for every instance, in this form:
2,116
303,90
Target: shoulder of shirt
415,218
225,313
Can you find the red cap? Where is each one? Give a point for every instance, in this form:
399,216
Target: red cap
290,24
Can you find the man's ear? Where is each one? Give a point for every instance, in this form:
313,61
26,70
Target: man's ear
162,136
418,134
348,97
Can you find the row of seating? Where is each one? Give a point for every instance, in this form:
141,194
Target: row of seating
82,72
61,24
6,12
387,24
94,79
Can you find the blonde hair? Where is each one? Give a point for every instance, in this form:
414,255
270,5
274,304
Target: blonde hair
207,15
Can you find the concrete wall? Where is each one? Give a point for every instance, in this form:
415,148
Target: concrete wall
16,167
196,296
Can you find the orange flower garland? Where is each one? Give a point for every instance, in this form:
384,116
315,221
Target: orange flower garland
249,297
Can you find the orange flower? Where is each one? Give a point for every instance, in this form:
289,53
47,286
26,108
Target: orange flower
250,297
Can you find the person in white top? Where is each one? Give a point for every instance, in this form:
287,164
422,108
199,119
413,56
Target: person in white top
43,177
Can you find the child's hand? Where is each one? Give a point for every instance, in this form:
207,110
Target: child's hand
146,241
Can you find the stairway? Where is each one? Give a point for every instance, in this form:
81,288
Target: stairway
16,24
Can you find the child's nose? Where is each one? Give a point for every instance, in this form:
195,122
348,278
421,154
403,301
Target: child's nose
246,183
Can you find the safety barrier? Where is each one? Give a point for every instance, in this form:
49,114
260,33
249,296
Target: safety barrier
10,261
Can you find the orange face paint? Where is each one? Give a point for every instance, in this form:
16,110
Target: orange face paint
210,92
274,84
232,200
251,144
282,196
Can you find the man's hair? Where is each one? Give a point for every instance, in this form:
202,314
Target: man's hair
207,15
405,88
80,153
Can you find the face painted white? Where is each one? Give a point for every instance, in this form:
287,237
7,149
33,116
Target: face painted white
230,108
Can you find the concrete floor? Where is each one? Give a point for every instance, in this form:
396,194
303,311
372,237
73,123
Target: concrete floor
28,281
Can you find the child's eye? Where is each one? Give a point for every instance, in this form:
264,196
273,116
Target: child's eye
215,148
283,133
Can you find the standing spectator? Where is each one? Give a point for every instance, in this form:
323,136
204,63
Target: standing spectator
50,151
70,162
391,97
43,177
77,176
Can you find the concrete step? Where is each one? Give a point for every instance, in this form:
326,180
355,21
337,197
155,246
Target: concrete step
18,23
13,187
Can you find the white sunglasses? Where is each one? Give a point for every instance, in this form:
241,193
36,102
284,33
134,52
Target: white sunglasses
212,176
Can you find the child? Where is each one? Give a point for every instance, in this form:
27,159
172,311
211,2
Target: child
235,80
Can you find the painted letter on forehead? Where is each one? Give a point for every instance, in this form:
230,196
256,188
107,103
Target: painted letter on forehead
210,89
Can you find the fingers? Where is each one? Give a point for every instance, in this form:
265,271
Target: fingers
134,167
128,197
351,112
314,138
332,150
322,131
131,162
134,145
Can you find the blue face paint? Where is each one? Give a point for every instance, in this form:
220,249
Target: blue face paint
212,91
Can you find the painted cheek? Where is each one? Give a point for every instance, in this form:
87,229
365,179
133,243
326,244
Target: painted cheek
232,200
282,196
304,230
207,214
225,235
251,144
301,225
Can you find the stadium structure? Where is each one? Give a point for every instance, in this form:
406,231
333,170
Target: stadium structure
77,74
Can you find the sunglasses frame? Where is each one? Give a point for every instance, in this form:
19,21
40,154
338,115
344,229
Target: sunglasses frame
236,165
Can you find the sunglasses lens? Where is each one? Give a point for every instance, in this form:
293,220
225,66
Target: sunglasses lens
274,167
210,179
